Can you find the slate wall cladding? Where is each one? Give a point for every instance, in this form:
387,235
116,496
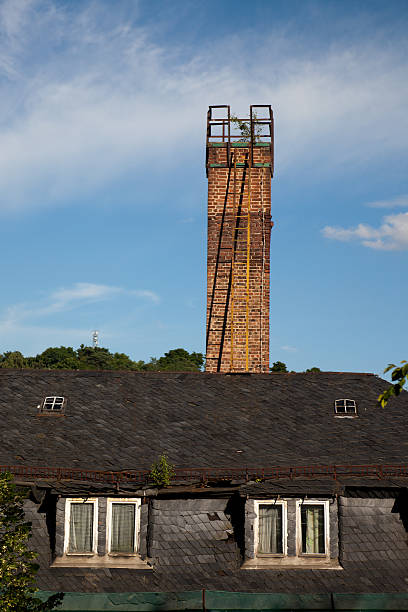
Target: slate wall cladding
102,506
39,541
144,526
371,530
250,517
192,532
363,527
59,527
291,542
334,528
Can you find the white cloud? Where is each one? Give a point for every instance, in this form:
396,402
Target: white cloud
28,327
397,202
90,292
150,295
13,15
65,299
75,119
80,292
289,349
392,235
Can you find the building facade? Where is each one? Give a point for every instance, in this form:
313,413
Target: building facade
301,487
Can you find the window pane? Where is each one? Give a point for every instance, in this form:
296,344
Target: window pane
123,528
81,528
340,406
270,529
312,518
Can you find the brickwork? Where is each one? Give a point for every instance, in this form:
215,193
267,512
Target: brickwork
227,265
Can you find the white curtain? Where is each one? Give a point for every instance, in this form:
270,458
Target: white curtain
123,528
313,529
81,528
270,529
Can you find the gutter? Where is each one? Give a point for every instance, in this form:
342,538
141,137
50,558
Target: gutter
224,601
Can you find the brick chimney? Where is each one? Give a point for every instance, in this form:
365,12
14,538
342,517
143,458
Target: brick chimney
239,165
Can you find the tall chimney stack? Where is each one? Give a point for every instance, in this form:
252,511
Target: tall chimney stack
239,164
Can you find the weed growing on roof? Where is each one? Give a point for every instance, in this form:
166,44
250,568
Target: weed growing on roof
162,471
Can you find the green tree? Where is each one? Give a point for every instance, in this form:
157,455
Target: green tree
314,369
176,360
94,358
399,377
120,361
17,567
99,358
12,359
64,358
279,366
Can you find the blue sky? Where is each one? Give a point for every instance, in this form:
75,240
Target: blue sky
102,179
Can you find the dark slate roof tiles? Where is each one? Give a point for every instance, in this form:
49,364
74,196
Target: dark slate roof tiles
124,420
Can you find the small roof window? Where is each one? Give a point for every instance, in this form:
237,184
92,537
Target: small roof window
345,408
53,403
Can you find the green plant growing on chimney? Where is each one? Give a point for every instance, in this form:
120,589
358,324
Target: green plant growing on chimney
244,126
162,471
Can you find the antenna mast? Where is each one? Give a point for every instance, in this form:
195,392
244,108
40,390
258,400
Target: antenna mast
95,338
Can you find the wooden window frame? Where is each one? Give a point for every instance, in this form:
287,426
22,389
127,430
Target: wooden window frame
78,500
53,410
136,501
271,502
345,414
326,506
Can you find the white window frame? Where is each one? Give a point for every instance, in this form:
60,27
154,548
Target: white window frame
345,415
313,502
52,403
272,502
79,500
122,500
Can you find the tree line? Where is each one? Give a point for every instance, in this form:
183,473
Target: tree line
99,358
280,366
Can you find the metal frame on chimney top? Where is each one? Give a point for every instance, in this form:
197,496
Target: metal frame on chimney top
226,138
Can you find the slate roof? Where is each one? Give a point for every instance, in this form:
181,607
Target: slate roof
119,421
125,420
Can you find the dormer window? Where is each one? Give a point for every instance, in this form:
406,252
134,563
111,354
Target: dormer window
53,403
345,407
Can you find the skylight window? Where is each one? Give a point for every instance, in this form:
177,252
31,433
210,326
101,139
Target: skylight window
345,407
53,403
